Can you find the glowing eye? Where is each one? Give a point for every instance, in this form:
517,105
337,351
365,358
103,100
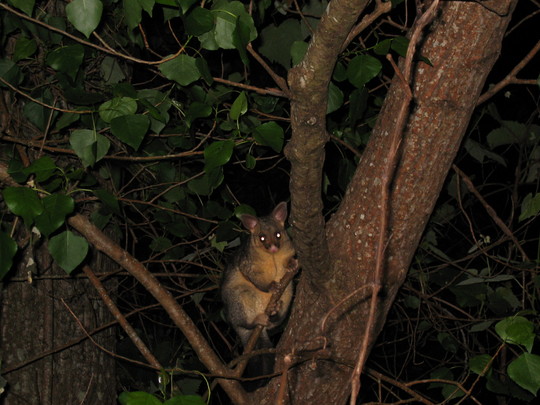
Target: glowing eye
278,235
262,238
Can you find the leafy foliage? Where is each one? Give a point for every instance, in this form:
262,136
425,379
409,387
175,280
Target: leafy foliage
158,123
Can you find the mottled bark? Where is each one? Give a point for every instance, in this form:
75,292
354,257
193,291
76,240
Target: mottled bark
46,356
462,43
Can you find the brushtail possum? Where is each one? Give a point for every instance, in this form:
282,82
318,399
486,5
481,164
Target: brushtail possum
250,278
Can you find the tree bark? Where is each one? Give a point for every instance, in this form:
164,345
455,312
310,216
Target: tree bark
46,356
462,43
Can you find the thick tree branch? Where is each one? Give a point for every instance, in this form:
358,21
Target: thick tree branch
205,353
308,83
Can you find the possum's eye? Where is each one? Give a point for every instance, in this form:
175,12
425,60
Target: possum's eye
262,237
278,235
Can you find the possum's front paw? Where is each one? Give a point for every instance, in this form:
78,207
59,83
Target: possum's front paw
261,319
292,264
274,309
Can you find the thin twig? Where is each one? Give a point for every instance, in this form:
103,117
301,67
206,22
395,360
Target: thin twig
511,77
491,212
387,176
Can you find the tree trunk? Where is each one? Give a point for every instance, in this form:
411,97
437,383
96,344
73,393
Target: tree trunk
46,356
462,43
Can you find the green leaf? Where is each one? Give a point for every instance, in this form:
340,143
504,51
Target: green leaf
199,21
197,110
66,59
516,330
43,168
448,342
8,248
478,364
335,98
509,133
55,209
250,161
481,326
239,106
227,15
382,47
24,48
187,399
530,206
400,45
89,146
525,372
109,200
117,107
130,129
26,6
217,154
479,152
362,69
206,184
479,280
138,398
277,41
68,250
270,134
10,72
298,51
23,202
133,13
182,69
85,15
111,70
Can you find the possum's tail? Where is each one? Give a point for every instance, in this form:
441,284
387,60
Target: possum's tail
259,365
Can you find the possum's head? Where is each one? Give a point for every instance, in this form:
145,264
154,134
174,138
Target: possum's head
267,232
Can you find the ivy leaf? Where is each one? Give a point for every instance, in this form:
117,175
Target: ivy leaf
239,106
10,72
85,15
182,69
68,250
197,110
335,98
27,6
109,200
277,41
55,209
66,59
8,248
525,372
138,398
130,129
298,51
43,168
516,330
478,364
117,107
270,134
227,15
24,48
206,184
133,13
23,202
189,399
530,206
217,154
199,21
362,69
89,146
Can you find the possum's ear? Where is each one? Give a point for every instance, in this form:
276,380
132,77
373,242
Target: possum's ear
280,212
249,222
